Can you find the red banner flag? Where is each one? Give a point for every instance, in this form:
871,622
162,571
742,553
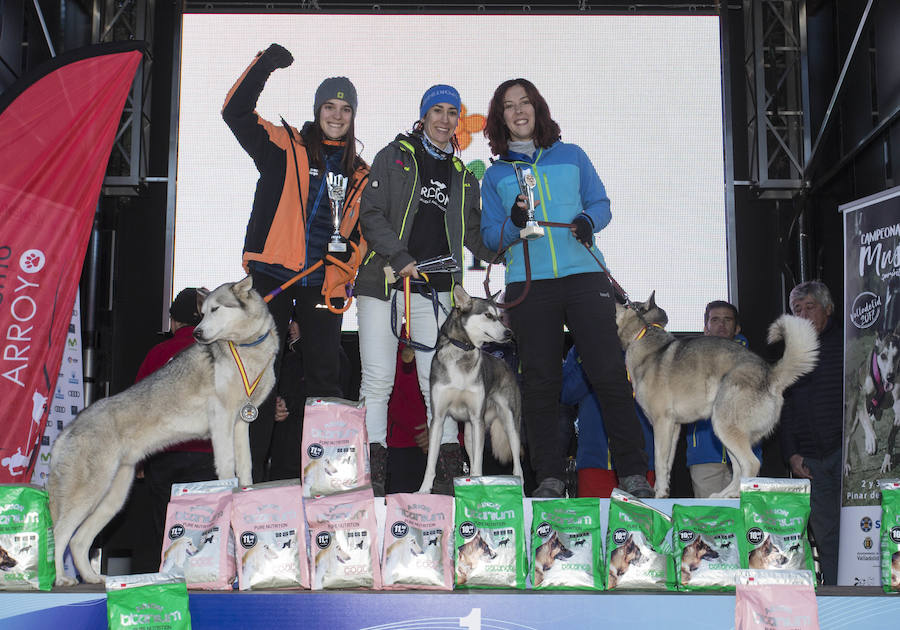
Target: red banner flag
57,128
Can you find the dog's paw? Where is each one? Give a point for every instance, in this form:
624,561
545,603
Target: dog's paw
870,443
886,463
65,580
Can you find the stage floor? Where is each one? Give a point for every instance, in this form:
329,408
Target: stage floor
84,607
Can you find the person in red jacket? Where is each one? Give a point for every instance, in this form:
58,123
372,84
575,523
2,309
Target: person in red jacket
188,461
407,431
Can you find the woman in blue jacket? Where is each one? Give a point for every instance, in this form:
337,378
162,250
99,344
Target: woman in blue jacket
567,286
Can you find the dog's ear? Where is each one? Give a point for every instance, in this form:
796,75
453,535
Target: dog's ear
244,286
496,295
651,301
462,299
202,292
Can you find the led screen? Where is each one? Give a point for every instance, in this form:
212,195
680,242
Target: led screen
641,94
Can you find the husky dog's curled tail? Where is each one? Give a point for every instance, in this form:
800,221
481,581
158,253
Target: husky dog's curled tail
801,351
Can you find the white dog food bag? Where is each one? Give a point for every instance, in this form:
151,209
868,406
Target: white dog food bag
344,542
769,600
197,543
149,601
709,543
335,447
638,550
490,532
566,544
270,536
776,513
26,539
418,535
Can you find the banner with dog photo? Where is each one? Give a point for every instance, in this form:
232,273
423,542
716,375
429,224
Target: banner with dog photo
871,356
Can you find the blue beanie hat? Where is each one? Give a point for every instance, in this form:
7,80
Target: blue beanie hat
438,94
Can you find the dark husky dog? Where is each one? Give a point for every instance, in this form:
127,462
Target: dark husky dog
473,387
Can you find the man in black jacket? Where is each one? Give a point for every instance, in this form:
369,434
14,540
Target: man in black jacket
813,420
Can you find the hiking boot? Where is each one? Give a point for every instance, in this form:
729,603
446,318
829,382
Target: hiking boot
449,465
378,467
550,488
637,486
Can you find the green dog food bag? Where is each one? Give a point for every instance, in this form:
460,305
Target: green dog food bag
708,541
489,544
776,513
890,534
26,539
149,601
566,544
638,551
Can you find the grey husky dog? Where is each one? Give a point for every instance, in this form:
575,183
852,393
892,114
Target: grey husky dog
199,393
473,387
678,381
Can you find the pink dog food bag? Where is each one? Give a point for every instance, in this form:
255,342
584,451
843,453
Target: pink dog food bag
270,536
335,447
775,600
418,537
343,541
198,543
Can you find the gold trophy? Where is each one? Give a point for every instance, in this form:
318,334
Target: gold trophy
527,182
337,189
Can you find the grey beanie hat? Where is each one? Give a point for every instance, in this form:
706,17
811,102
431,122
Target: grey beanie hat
335,87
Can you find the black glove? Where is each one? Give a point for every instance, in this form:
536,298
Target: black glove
342,256
276,56
584,229
517,214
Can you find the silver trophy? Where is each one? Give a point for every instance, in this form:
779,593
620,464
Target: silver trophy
527,182
337,190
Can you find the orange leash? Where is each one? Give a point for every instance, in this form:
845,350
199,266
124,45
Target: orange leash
349,268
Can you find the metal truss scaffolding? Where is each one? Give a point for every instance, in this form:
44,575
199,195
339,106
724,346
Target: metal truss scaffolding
121,20
776,71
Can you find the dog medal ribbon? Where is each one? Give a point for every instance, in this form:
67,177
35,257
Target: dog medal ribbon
336,184
248,412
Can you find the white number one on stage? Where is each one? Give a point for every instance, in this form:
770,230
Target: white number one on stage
472,621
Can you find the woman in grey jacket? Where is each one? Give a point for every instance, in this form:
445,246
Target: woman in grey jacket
420,203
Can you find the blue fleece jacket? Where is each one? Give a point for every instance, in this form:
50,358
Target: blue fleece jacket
567,185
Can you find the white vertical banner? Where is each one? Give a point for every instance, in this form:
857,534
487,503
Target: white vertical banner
871,395
68,395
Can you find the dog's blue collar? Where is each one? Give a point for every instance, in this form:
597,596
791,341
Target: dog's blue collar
462,345
254,343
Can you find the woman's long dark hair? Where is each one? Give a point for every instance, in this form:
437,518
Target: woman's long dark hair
546,130
315,139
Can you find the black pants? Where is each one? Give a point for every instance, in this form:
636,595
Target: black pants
584,303
166,468
320,342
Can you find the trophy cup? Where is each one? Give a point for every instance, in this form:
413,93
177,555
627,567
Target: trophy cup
527,183
337,189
